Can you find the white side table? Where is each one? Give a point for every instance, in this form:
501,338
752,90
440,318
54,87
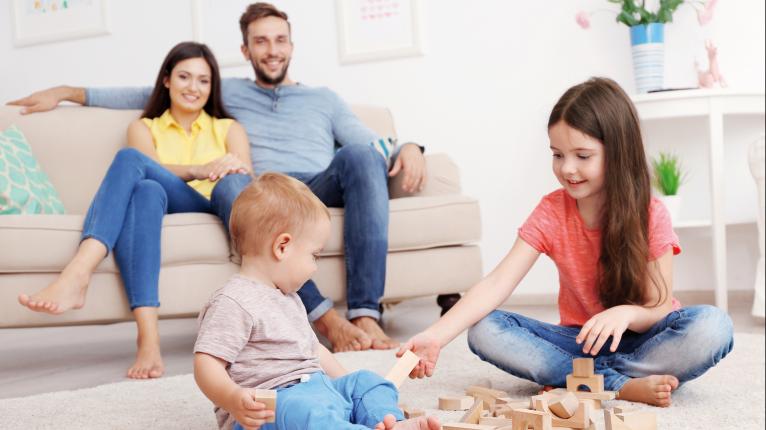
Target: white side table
713,104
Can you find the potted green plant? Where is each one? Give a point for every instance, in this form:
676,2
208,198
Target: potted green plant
668,178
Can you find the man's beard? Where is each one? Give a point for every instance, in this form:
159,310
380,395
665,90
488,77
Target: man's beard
262,76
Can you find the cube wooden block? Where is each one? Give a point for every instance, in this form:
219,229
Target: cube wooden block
268,398
582,367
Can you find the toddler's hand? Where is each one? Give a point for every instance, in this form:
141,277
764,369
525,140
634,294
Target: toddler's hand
248,412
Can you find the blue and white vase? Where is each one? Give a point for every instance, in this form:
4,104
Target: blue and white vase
648,49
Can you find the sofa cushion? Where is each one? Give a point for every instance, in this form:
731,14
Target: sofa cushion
186,239
24,187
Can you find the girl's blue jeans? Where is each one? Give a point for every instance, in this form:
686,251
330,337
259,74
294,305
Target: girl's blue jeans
126,216
358,400
685,344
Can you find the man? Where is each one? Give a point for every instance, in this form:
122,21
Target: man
293,129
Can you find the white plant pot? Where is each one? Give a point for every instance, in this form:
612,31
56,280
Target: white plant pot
673,205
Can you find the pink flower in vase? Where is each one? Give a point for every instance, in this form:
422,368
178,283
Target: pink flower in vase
583,19
705,15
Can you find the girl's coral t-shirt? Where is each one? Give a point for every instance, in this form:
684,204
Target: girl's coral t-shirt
556,229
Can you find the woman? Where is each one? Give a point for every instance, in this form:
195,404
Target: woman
183,143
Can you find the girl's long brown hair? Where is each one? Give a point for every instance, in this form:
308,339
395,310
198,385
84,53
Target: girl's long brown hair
602,110
159,100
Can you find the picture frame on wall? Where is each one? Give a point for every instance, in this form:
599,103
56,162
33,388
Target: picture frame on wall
49,21
374,30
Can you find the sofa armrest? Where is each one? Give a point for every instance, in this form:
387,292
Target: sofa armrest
442,177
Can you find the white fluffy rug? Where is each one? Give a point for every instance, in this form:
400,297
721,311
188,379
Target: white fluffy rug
730,396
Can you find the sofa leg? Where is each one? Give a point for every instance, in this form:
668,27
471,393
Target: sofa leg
447,301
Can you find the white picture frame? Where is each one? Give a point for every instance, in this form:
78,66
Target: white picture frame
47,21
225,14
373,30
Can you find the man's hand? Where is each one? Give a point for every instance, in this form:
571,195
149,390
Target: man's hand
597,330
250,414
425,347
412,164
46,100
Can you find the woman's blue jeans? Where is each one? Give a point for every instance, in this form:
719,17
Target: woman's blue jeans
126,216
355,180
358,400
685,344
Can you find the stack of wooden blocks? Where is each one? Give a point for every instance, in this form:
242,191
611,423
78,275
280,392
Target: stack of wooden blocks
570,408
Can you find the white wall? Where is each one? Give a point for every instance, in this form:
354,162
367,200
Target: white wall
482,93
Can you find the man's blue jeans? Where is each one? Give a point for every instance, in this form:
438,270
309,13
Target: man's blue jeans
685,344
126,216
358,400
357,181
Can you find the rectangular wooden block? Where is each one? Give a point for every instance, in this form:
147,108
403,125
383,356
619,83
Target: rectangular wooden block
402,368
612,422
582,367
412,412
474,413
268,398
456,403
495,421
639,420
525,418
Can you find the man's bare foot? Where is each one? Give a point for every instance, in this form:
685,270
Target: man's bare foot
65,293
420,423
653,390
148,361
379,338
343,335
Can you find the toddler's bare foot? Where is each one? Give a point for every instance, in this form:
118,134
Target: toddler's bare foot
343,335
420,423
65,293
379,338
653,390
148,361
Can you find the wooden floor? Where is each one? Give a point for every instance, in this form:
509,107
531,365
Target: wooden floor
39,360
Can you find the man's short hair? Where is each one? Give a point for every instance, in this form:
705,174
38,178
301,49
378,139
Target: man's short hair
271,205
257,11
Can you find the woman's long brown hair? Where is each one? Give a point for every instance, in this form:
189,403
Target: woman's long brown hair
602,110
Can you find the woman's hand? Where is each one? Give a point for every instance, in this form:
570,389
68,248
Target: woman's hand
427,348
248,412
611,322
220,167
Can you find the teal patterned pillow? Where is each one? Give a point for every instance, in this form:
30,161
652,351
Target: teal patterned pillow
24,187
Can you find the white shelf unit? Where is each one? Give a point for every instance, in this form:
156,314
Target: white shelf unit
714,105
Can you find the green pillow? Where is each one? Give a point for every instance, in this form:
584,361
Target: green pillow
24,187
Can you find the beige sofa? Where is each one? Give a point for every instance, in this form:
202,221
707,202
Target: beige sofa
432,235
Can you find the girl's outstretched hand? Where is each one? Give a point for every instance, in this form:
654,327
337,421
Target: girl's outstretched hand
427,348
596,331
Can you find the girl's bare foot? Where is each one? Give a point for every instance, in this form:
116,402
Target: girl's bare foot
148,361
65,293
343,335
653,390
379,338
420,423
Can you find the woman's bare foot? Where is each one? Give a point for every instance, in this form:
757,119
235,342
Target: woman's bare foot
68,290
653,390
65,293
379,338
420,423
148,360
343,335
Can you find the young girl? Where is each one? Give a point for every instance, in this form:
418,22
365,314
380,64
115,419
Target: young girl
613,246
183,143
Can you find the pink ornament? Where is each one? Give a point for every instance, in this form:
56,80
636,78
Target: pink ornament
583,20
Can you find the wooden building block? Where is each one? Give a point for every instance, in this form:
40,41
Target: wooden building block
474,413
564,406
594,383
413,412
466,426
402,368
495,421
456,403
268,398
580,419
525,418
612,422
639,420
582,367
488,395
594,404
606,395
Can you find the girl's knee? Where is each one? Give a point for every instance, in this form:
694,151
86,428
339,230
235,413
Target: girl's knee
711,329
